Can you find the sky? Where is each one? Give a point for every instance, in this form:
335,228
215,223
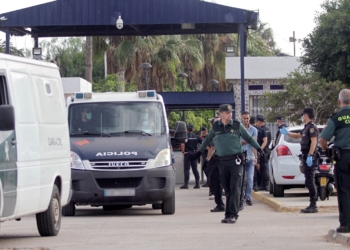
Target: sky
283,16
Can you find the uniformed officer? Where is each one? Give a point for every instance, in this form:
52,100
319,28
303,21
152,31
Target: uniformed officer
339,126
264,165
204,133
190,147
309,139
280,124
228,149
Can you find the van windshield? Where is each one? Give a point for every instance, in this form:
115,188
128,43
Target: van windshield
116,119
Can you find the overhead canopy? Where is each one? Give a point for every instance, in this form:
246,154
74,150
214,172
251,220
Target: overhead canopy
64,18
196,100
67,18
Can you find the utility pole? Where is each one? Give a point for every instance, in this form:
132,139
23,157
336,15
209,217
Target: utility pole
292,39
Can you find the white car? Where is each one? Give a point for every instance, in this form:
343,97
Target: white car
284,163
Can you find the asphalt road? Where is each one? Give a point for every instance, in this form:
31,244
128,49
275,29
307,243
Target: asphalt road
191,227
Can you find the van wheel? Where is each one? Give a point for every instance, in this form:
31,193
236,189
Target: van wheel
168,205
69,209
278,190
49,221
157,206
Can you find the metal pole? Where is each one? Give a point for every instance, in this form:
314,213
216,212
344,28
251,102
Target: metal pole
242,52
294,41
8,50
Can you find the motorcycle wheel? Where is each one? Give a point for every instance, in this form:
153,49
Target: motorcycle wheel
323,193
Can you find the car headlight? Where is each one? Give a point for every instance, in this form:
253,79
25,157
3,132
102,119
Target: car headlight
163,158
76,161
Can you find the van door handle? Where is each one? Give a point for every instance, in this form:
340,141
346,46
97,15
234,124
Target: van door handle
13,142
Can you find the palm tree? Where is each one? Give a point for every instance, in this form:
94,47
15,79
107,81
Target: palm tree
88,59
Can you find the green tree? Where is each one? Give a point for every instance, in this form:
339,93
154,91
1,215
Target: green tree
13,50
304,89
327,47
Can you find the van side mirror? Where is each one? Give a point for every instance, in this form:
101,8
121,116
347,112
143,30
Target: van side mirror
7,118
180,132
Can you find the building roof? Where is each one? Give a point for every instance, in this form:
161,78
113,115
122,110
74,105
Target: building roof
196,100
63,18
261,67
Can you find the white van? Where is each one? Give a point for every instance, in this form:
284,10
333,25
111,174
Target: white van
121,151
35,175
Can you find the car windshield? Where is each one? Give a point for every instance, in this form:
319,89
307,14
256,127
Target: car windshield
116,119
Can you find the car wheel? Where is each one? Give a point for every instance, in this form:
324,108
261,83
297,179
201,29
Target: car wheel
49,221
69,209
271,188
168,205
278,190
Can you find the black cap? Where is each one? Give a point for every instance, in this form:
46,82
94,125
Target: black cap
189,126
225,107
203,128
252,120
308,111
280,118
260,118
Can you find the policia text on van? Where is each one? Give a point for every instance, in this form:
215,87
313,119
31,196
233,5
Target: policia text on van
121,151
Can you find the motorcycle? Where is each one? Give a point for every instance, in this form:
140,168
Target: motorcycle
324,176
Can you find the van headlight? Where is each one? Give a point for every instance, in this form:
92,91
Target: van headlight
76,162
163,158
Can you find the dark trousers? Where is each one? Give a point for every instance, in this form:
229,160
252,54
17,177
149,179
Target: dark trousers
205,169
231,181
190,164
342,173
309,173
214,182
262,176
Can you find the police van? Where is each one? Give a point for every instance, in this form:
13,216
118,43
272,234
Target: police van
121,151
34,143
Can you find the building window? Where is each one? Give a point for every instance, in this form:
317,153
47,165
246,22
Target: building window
255,87
276,87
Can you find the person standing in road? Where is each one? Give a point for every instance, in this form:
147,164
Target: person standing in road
280,124
263,163
339,126
204,133
251,157
187,148
262,141
308,144
229,151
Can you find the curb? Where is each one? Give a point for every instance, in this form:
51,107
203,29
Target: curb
275,204
342,238
282,207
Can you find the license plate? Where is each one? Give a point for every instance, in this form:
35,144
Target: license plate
323,181
119,192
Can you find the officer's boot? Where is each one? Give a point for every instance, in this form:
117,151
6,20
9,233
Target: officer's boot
197,185
267,186
312,208
255,187
184,186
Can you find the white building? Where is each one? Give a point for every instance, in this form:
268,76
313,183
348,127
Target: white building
262,74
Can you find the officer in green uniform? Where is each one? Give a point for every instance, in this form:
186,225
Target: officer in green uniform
339,126
228,149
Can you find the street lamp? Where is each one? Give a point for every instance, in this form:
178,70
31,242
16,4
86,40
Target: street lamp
146,66
213,82
183,76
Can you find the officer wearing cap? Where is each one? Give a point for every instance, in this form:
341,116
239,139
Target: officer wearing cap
308,144
229,152
264,165
204,133
280,124
190,147
339,126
